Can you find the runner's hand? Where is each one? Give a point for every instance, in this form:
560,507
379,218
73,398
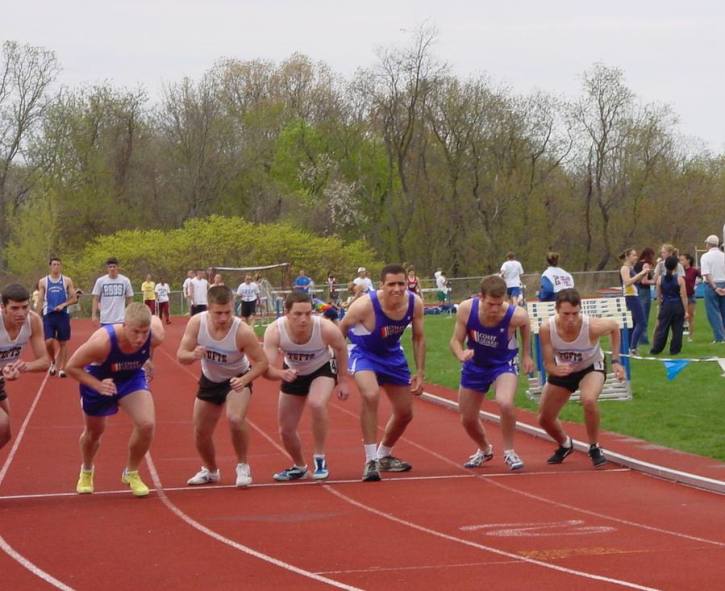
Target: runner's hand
289,375
108,388
343,388
238,384
466,356
199,352
416,385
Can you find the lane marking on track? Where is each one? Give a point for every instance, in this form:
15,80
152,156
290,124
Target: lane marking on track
463,541
176,510
567,527
493,482
7,548
280,485
236,545
383,569
678,476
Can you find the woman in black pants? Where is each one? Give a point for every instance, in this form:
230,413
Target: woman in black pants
673,308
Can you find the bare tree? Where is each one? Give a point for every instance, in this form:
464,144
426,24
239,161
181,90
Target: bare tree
26,74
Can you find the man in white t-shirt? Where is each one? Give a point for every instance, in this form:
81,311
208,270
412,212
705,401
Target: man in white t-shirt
198,288
712,268
248,293
111,294
511,272
362,282
441,286
163,290
186,288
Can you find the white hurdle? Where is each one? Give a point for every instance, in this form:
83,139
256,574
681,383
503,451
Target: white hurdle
540,312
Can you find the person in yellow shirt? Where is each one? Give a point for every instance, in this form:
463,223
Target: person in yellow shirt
149,294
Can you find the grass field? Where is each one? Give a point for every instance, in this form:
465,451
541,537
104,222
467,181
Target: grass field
686,413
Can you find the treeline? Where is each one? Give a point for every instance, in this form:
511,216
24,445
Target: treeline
422,165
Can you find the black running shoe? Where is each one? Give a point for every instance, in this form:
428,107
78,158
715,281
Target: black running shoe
595,453
371,473
560,453
393,464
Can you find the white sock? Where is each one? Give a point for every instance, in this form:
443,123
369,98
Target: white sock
384,451
568,443
508,451
370,451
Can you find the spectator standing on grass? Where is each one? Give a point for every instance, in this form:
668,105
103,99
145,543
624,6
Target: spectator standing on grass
413,282
441,287
554,279
712,267
644,289
362,282
692,274
673,308
511,271
629,279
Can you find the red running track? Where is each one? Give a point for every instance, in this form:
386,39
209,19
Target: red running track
440,525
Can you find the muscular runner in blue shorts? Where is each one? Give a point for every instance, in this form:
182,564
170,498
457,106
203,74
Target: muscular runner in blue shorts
374,323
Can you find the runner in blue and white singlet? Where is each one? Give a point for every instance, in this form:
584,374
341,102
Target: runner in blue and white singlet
488,324
374,323
125,369
380,350
113,368
494,350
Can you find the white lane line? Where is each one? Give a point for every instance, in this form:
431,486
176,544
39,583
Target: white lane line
38,572
688,478
21,432
493,482
7,548
237,546
224,540
280,485
514,557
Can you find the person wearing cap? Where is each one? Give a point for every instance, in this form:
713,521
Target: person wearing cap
111,294
712,267
362,282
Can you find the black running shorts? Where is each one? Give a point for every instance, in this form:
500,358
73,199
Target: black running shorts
301,386
571,382
216,392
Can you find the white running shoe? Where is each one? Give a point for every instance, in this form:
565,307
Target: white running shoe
513,461
204,476
244,475
479,458
51,369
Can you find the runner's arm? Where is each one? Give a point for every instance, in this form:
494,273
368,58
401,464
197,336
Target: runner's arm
271,352
416,385
37,343
521,320
456,344
94,350
189,349
247,341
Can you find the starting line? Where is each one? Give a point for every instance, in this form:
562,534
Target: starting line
280,485
694,480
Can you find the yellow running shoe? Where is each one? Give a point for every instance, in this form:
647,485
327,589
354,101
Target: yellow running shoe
138,488
85,482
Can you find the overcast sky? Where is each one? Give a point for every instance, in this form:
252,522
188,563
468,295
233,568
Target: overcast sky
670,51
